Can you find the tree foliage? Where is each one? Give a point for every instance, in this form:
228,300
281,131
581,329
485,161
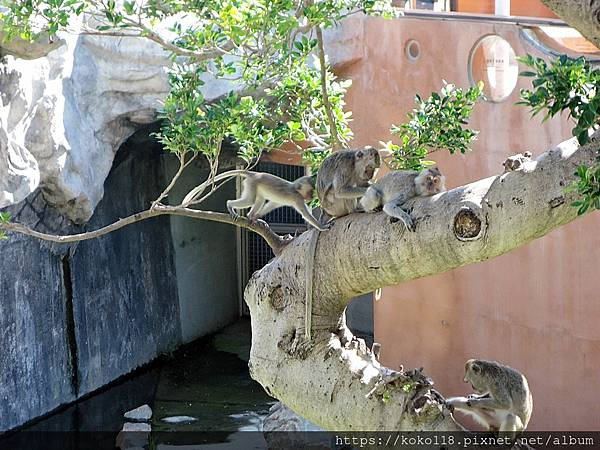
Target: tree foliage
572,85
282,90
264,47
439,122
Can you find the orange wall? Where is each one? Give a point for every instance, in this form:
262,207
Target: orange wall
531,8
535,308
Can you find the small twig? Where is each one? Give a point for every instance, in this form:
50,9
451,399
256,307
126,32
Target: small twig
182,165
326,102
149,34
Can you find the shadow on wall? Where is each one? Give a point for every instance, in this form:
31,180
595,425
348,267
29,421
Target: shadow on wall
359,317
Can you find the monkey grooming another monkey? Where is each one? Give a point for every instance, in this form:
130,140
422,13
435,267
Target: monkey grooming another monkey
503,401
264,192
397,187
344,177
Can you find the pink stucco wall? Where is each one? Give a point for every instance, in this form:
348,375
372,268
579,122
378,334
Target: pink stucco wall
536,308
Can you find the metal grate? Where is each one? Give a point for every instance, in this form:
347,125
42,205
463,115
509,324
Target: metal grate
259,253
255,253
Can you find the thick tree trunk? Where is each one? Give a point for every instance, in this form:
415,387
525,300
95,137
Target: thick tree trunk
328,378
584,15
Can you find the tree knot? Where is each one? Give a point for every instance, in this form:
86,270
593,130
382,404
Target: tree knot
467,224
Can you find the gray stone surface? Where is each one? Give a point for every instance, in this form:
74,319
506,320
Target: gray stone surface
76,318
137,427
133,436
63,116
140,414
282,418
125,296
35,371
205,260
35,354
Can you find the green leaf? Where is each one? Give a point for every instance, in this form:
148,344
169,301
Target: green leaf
128,6
583,137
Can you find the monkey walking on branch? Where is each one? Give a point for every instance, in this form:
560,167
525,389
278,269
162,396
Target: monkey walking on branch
264,192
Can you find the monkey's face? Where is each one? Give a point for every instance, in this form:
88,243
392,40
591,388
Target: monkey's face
367,161
515,162
433,182
512,163
475,374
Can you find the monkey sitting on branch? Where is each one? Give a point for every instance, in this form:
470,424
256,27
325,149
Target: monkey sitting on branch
264,192
503,401
344,177
397,187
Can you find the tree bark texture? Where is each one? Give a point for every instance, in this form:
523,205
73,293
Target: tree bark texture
328,379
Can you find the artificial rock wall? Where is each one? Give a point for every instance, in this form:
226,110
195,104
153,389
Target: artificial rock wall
76,317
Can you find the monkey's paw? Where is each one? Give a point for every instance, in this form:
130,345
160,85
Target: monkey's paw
408,223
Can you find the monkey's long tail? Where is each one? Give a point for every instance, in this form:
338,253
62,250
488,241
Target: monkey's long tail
198,190
310,272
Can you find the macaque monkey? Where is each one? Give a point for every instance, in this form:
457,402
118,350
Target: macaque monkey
344,177
397,187
263,192
516,162
502,401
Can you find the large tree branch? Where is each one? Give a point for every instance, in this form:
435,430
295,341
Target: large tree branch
465,225
328,379
584,15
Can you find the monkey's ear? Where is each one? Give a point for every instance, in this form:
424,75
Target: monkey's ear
476,367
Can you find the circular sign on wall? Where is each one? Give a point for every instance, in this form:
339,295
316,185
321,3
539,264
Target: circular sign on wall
412,50
493,61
